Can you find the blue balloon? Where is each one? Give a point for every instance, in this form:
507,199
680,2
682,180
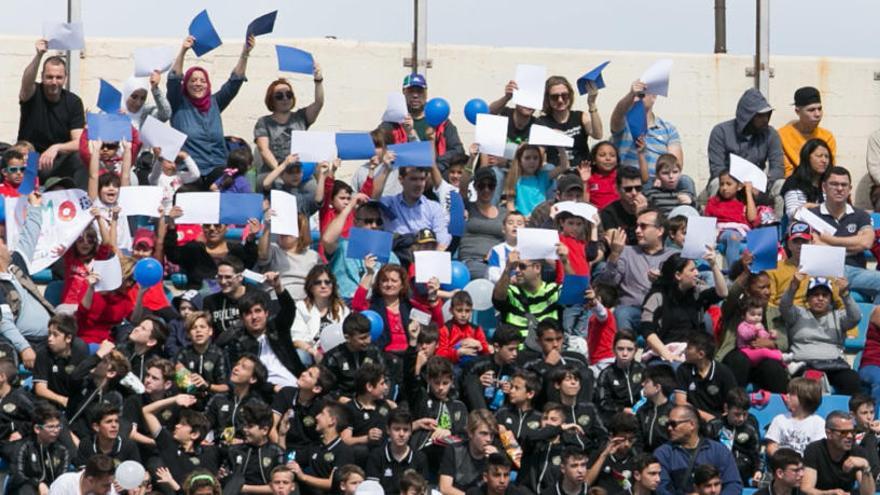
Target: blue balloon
376,324
460,276
436,111
148,272
308,168
473,108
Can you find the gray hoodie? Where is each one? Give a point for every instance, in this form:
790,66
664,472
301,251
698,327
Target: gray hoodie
812,338
760,148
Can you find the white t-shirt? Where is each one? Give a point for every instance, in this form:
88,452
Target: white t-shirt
795,434
68,484
278,373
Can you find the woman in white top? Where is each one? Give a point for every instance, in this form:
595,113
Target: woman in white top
321,307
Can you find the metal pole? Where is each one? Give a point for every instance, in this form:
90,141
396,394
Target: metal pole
720,26
420,34
74,14
762,48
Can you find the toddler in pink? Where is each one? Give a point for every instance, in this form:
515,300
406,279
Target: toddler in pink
752,328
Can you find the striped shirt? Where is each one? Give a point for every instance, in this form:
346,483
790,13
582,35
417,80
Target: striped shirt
519,304
660,136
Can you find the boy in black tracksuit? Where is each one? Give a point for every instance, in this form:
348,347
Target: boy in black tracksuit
107,438
41,458
738,430
551,338
224,410
542,448
294,410
566,381
519,416
657,385
55,363
145,341
206,363
95,380
345,359
251,462
315,475
368,411
387,464
16,408
609,465
478,375
619,386
438,418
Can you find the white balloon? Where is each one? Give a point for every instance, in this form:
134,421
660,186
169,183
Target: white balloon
331,336
481,293
369,487
130,475
447,310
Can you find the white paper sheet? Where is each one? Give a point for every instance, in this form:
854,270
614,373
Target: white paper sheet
814,221
657,77
530,80
395,110
433,264
822,261
544,136
491,134
420,316
746,171
198,207
64,35
285,220
253,276
154,133
140,200
148,59
584,210
110,272
313,146
537,244
700,233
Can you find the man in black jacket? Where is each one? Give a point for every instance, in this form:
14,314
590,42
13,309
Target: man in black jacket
42,458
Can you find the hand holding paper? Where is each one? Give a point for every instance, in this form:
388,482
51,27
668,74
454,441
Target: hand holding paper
823,261
544,136
491,134
64,35
159,58
656,78
109,274
746,171
313,146
537,244
158,135
530,80
430,264
700,233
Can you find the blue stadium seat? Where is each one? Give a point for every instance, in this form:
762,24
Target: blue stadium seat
859,297
179,280
53,292
749,491
765,414
93,348
857,362
43,276
833,403
857,343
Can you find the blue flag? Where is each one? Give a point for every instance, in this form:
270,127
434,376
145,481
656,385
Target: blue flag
637,120
292,59
415,154
264,24
573,288
203,31
594,76
238,208
31,172
109,98
362,242
763,243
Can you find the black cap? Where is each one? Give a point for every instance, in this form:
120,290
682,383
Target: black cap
806,96
567,182
485,174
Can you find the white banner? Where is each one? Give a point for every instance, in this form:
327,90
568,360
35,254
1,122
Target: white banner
65,215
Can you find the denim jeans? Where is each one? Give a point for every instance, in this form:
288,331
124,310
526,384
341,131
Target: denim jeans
575,320
628,317
731,240
864,281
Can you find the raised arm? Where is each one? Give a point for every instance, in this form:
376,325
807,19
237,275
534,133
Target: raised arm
125,176
314,109
496,106
94,168
330,237
241,66
592,121
618,116
29,77
177,67
163,108
153,408
270,178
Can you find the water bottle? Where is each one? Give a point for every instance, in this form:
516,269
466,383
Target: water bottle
498,396
726,438
290,457
489,392
641,402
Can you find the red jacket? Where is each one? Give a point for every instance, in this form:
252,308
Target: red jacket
452,333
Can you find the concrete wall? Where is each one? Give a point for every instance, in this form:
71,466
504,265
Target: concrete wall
704,88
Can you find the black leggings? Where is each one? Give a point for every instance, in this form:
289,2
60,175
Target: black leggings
845,382
768,375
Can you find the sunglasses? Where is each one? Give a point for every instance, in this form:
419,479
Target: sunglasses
325,281
109,146
486,185
522,266
16,170
212,226
371,221
632,188
283,95
844,433
559,96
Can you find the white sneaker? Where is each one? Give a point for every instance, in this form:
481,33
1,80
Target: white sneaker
787,357
795,366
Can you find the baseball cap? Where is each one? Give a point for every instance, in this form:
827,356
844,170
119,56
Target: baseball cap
414,80
818,283
800,230
58,182
144,236
567,182
485,174
683,211
806,96
425,236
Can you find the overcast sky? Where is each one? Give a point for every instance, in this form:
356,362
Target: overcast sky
798,27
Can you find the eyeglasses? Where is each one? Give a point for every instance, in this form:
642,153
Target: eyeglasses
559,96
55,427
283,95
325,281
844,433
631,188
16,170
674,424
486,185
371,221
644,226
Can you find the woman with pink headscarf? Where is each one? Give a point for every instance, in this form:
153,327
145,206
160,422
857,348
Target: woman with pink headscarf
196,110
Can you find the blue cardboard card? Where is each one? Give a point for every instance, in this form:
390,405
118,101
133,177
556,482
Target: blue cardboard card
763,243
203,31
31,172
637,120
108,127
238,208
415,154
573,288
354,146
292,59
594,76
109,98
456,214
362,242
264,24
